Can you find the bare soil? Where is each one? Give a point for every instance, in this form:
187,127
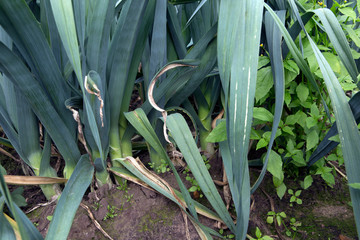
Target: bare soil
139,213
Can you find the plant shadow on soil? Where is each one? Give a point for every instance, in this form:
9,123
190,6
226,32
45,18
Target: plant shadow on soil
134,212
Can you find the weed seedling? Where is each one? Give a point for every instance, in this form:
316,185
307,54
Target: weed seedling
259,235
123,186
111,212
279,217
293,225
162,168
96,206
129,197
195,188
229,236
295,197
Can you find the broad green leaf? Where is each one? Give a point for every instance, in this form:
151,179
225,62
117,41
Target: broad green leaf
302,92
70,199
326,144
333,61
354,37
338,39
335,138
291,119
291,66
312,139
275,165
355,185
311,122
288,130
218,134
298,58
263,114
264,82
299,160
280,190
17,197
329,178
308,180
349,12
262,143
263,61
347,128
301,118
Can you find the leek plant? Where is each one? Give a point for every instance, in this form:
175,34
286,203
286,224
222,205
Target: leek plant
18,119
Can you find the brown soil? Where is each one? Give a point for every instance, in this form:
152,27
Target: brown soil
138,214
142,214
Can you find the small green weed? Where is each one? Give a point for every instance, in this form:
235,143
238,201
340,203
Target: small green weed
290,229
162,168
228,236
111,212
96,206
259,235
294,197
123,186
279,217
